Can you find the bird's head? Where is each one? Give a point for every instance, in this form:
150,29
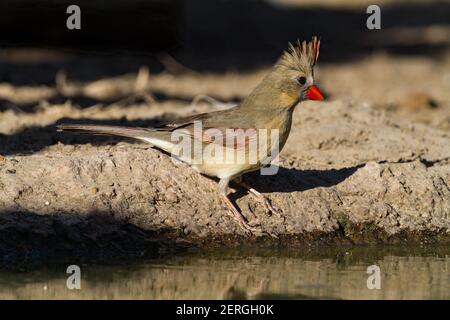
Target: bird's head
292,78
295,71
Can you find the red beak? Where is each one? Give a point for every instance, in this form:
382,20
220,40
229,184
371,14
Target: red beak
313,93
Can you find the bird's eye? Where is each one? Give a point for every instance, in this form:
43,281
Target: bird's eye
301,80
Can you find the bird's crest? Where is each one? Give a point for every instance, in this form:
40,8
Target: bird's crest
301,56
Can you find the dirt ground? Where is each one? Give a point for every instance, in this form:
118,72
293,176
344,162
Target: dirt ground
371,164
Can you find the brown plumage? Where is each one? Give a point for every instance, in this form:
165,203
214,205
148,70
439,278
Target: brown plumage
269,106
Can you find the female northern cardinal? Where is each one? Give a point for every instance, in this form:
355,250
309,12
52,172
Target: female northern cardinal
268,107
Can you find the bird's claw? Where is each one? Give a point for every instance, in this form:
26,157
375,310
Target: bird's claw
270,208
250,230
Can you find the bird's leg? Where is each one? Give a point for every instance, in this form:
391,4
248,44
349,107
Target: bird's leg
236,214
259,196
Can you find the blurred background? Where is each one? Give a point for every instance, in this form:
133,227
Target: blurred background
136,60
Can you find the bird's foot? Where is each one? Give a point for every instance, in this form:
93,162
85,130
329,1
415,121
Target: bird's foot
243,223
249,229
240,219
270,208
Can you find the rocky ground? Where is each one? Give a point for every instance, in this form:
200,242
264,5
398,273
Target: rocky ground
369,165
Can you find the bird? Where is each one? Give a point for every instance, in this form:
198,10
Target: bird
268,107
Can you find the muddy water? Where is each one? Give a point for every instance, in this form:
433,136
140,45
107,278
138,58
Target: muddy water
321,273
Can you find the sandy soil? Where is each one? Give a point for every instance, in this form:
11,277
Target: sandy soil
371,164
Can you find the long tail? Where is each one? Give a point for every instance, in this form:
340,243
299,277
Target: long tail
157,138
137,133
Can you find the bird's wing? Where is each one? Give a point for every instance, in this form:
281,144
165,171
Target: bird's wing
228,118
230,128
182,122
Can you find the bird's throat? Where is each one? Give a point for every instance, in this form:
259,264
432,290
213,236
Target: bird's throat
287,101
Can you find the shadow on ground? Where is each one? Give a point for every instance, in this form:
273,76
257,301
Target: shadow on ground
28,237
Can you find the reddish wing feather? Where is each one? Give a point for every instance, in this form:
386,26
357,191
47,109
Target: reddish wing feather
237,138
